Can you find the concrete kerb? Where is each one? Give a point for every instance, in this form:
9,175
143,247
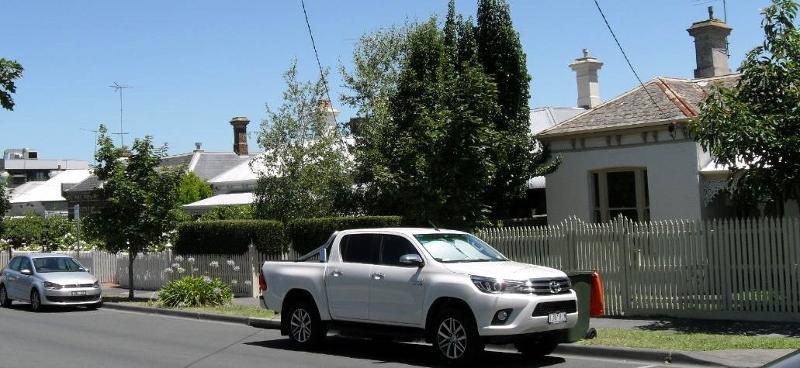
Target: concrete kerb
647,355
249,321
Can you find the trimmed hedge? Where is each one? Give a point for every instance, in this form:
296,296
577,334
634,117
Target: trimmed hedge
230,237
307,234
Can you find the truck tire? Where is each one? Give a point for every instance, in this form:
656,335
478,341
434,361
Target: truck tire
536,347
455,337
305,328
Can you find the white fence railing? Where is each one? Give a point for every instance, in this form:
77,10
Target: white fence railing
721,269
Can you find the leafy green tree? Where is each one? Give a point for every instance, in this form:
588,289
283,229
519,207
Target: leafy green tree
5,205
141,199
516,154
307,168
754,128
193,188
243,212
10,71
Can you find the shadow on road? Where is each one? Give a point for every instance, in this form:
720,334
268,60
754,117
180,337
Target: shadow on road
48,309
405,353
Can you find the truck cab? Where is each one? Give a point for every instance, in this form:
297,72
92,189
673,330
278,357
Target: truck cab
446,286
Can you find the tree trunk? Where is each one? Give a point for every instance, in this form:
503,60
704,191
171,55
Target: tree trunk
131,257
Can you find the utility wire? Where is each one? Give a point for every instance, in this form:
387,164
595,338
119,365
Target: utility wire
319,64
630,65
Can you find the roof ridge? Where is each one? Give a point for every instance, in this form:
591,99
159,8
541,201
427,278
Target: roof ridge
676,99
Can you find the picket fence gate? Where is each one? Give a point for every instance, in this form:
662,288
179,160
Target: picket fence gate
739,269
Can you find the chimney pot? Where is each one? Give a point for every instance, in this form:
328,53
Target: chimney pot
239,124
711,47
586,69
198,146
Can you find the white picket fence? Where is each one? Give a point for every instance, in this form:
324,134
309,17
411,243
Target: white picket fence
719,269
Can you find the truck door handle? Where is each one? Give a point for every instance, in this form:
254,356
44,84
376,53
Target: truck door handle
336,273
377,276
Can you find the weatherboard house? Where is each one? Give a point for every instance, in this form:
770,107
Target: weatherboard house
634,155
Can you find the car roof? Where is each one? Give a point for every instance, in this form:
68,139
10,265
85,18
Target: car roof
411,231
44,255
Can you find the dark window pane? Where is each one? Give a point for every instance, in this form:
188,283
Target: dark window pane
25,264
646,190
360,248
596,188
621,189
395,247
630,214
14,264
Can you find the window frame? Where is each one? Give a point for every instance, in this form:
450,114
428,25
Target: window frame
600,195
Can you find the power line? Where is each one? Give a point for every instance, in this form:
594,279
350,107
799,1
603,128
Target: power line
319,64
630,65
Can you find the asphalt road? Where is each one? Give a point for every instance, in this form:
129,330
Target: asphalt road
109,338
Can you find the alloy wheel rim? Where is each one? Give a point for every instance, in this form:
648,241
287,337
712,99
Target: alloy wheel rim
2,294
301,325
35,300
451,338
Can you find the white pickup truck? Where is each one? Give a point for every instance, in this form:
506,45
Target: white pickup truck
447,286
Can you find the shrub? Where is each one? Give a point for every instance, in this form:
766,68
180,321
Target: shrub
244,212
194,291
230,237
307,234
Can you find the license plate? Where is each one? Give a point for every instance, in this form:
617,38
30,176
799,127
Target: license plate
78,293
558,317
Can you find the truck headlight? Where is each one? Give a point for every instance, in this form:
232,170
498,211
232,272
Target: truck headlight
488,284
492,285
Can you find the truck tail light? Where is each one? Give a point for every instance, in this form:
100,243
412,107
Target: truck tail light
597,299
262,282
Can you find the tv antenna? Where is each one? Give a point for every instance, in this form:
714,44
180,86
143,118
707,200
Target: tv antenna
95,131
119,88
724,7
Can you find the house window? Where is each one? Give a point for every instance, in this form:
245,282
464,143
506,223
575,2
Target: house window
620,192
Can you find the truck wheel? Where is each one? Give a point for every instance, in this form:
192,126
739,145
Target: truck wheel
455,337
5,302
305,328
536,348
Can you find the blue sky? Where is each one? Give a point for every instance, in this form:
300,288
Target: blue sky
194,64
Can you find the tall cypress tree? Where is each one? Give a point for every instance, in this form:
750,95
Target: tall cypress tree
500,53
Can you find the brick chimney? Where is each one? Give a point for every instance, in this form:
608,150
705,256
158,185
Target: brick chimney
586,69
711,46
239,124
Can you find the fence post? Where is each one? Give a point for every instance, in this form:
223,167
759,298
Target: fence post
623,241
252,258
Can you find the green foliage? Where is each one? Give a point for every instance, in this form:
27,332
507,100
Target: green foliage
193,188
194,291
230,237
243,212
309,233
140,198
444,132
36,232
754,128
10,71
307,171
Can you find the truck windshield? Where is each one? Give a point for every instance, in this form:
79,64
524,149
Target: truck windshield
449,248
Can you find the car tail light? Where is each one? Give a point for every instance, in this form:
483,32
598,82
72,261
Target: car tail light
597,304
262,282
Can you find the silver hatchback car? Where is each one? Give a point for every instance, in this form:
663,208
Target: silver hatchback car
48,279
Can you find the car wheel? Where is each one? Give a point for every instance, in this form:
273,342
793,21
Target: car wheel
455,337
536,348
4,300
36,301
304,325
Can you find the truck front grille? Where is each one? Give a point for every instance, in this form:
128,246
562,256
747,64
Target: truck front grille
550,286
545,308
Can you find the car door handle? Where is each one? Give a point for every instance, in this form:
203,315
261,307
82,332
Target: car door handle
377,276
336,273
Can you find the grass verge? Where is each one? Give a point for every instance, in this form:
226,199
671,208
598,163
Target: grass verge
669,340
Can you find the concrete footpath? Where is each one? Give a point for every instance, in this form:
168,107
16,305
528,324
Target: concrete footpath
718,358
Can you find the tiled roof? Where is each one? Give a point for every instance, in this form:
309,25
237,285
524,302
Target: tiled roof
211,164
87,185
177,160
677,99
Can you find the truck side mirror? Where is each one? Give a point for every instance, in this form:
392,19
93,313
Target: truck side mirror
412,260
26,272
